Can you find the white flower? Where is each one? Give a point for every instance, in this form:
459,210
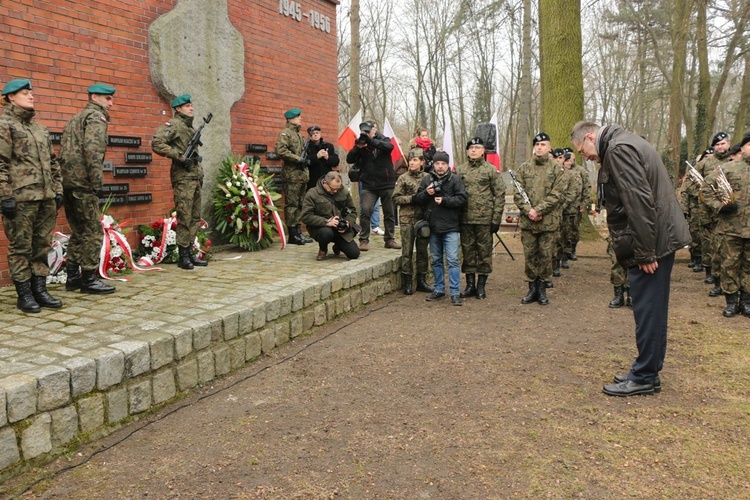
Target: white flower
229,184
229,195
234,177
171,237
115,251
243,192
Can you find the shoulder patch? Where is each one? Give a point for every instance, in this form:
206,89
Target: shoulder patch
284,134
168,124
101,117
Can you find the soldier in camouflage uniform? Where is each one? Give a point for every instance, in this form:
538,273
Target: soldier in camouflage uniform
294,172
171,140
481,217
618,276
30,195
558,157
585,202
571,210
84,141
733,226
544,184
408,216
690,198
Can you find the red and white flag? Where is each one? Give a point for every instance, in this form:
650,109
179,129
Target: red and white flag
448,145
396,153
351,132
494,156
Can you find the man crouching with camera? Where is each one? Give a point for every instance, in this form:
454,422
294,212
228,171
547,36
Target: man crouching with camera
330,216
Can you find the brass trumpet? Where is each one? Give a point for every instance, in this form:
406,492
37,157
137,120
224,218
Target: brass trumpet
723,189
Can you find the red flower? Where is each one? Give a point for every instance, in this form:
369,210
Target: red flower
245,217
244,201
156,225
230,218
174,225
245,209
230,207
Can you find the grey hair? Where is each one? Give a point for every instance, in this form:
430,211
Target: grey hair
582,128
332,175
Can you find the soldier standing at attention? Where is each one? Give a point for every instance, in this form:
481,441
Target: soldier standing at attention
544,184
294,173
171,140
409,214
558,156
571,210
585,201
84,141
480,219
30,195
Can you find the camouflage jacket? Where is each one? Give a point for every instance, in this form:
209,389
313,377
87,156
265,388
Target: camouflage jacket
486,191
737,173
705,167
289,148
585,186
171,140
29,170
319,206
574,193
406,187
545,185
84,141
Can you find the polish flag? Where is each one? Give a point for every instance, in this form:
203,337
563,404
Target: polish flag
448,145
494,156
351,132
396,153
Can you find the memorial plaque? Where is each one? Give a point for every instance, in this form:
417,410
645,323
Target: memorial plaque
272,155
119,140
120,188
107,166
116,199
130,171
139,198
55,137
272,169
138,158
256,148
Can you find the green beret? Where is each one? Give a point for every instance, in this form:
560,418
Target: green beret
292,113
16,85
180,100
100,88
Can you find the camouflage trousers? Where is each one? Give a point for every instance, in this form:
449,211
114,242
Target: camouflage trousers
476,247
575,235
735,268
187,202
84,218
695,235
538,251
618,276
29,236
706,234
567,228
294,194
409,239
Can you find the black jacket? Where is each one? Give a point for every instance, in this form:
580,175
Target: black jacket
446,217
375,164
643,214
320,166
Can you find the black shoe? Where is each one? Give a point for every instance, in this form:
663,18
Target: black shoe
542,299
572,256
548,284
456,300
73,282
698,267
622,378
709,277
295,237
184,260
90,283
195,260
564,263
745,303
422,285
41,295
304,238
628,388
408,285
26,301
619,299
733,305
471,288
691,264
716,290
556,269
481,284
533,293
435,296
628,298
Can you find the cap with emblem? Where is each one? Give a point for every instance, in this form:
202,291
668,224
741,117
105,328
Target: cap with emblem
16,85
567,150
416,153
558,153
292,113
366,126
180,100
718,138
735,149
745,139
476,141
100,88
541,136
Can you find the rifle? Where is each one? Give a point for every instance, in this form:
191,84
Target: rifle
520,188
303,155
195,141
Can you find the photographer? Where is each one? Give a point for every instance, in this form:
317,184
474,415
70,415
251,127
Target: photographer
443,196
329,214
372,155
322,155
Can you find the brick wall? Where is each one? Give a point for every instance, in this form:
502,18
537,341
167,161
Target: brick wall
65,46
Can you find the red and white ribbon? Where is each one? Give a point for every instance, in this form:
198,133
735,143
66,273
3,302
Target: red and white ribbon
112,230
243,168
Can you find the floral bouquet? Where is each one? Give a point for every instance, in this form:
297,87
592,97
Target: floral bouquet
159,242
243,205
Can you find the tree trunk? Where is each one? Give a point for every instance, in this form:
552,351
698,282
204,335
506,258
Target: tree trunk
355,91
704,81
523,145
679,25
741,119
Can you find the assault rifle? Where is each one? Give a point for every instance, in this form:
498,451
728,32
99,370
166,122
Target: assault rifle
520,188
303,160
195,141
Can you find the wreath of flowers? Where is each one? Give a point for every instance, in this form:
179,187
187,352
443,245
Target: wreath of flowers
150,251
243,205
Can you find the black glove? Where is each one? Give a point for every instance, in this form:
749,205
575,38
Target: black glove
728,209
9,208
58,201
306,162
189,162
494,228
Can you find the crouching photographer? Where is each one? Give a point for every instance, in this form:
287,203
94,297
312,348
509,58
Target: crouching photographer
329,214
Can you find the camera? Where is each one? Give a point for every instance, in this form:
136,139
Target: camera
437,185
363,138
343,224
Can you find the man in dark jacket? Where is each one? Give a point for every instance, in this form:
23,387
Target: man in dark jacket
443,196
647,228
322,155
372,154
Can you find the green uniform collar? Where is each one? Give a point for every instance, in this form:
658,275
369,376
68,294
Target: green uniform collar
24,115
722,156
476,162
294,127
540,160
188,120
99,107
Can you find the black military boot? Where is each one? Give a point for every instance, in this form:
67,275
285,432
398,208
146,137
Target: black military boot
184,261
619,299
41,295
533,293
564,262
556,268
74,276
305,239
546,284
691,264
90,283
733,305
709,277
628,297
542,298
471,288
408,285
698,267
481,283
195,260
422,285
716,290
745,303
26,301
573,255
295,237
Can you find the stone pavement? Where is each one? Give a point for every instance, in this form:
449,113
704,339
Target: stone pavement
87,368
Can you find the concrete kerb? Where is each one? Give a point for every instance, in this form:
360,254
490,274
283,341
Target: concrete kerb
90,393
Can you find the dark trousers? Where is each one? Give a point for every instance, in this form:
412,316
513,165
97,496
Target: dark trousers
650,294
326,235
367,201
